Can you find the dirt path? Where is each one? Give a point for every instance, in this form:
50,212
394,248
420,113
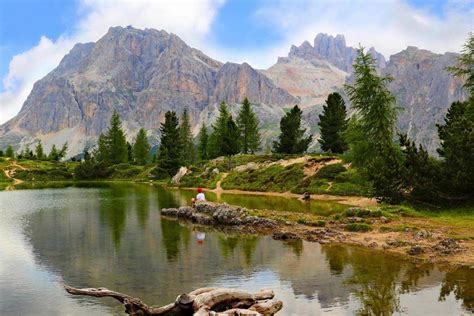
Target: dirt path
10,173
348,200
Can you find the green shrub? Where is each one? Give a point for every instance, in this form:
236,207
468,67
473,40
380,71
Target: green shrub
160,174
362,212
330,171
358,227
89,170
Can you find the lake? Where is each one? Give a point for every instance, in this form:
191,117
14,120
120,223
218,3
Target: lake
112,235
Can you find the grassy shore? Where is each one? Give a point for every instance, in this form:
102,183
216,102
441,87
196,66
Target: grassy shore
317,174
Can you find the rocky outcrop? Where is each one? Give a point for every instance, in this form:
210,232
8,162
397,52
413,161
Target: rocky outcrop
334,50
423,88
424,92
207,213
311,80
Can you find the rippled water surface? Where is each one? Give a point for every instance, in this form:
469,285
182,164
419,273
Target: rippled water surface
112,235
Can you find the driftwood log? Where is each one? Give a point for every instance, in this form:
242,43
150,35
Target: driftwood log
200,302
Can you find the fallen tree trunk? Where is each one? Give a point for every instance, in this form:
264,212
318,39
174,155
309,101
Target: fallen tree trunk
200,302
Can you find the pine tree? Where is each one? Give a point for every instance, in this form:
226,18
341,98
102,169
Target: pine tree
26,153
420,172
333,123
457,134
39,151
465,65
457,147
101,154
170,147
188,153
141,148
230,137
216,140
203,143
10,153
113,144
54,153
372,144
1,153
248,126
129,153
63,151
291,139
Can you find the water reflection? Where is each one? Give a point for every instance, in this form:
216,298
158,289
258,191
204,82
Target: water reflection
460,282
114,236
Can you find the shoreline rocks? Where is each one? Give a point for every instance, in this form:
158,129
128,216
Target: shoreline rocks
207,213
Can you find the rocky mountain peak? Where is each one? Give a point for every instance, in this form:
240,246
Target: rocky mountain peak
334,50
141,74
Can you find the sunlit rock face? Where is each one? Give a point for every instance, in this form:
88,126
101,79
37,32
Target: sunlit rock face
334,50
424,91
139,73
422,86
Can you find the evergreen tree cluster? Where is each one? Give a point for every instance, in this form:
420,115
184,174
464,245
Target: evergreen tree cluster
38,153
113,148
229,137
402,170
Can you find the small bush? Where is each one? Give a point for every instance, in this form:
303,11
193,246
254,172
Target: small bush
330,171
362,212
160,173
89,170
358,227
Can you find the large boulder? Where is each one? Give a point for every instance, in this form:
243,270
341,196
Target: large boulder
179,175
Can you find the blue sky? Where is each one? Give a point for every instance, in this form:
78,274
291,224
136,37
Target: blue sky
35,34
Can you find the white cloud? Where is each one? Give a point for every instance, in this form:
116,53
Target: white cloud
388,25
191,20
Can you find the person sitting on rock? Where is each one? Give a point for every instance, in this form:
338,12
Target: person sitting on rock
200,196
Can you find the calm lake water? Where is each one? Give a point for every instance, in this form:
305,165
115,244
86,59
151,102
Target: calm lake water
112,235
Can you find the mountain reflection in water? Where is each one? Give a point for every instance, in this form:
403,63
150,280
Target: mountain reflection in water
112,235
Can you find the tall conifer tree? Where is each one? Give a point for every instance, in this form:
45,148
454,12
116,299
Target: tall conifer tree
203,146
333,123
141,148
54,153
247,123
10,153
112,145
371,133
169,154
230,140
292,139
216,140
39,151
188,152
457,132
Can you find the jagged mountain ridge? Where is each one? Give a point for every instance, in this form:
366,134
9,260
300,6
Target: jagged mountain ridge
141,74
423,88
144,73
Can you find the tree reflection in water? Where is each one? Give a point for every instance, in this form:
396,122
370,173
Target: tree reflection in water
115,237
113,214
461,283
246,243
